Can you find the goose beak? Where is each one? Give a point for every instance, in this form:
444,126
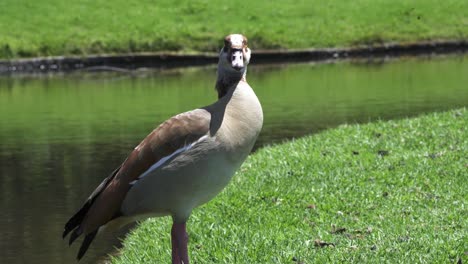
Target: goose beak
237,60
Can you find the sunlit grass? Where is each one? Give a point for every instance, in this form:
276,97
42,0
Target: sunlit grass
53,27
385,192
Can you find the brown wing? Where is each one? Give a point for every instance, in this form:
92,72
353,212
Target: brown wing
104,203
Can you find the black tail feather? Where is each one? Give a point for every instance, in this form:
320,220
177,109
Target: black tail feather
76,233
76,219
85,245
75,222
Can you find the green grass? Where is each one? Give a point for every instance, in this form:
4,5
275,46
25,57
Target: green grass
385,192
53,27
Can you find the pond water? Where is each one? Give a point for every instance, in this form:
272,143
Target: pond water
61,135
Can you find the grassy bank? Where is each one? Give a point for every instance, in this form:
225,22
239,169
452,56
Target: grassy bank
386,192
53,27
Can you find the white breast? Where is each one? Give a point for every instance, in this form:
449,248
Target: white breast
167,190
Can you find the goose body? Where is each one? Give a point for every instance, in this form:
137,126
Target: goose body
183,163
199,172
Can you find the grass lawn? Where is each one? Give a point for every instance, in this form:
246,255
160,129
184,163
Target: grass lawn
385,192
54,27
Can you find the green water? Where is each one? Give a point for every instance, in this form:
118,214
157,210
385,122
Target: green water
61,135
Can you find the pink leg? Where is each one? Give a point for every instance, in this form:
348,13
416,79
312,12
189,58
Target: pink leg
179,239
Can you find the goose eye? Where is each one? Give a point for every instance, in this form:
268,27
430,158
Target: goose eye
233,57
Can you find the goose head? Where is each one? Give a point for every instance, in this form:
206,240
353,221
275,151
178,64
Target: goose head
235,55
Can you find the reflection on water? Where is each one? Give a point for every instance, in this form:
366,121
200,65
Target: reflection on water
61,135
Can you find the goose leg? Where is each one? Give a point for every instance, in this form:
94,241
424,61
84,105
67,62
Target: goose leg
179,238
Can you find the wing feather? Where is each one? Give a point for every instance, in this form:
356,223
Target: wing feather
104,203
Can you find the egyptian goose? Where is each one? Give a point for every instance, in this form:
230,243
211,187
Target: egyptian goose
183,163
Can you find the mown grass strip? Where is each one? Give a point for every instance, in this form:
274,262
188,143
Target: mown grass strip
54,27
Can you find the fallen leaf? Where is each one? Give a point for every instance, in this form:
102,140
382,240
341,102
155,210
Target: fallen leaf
338,230
320,243
383,152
